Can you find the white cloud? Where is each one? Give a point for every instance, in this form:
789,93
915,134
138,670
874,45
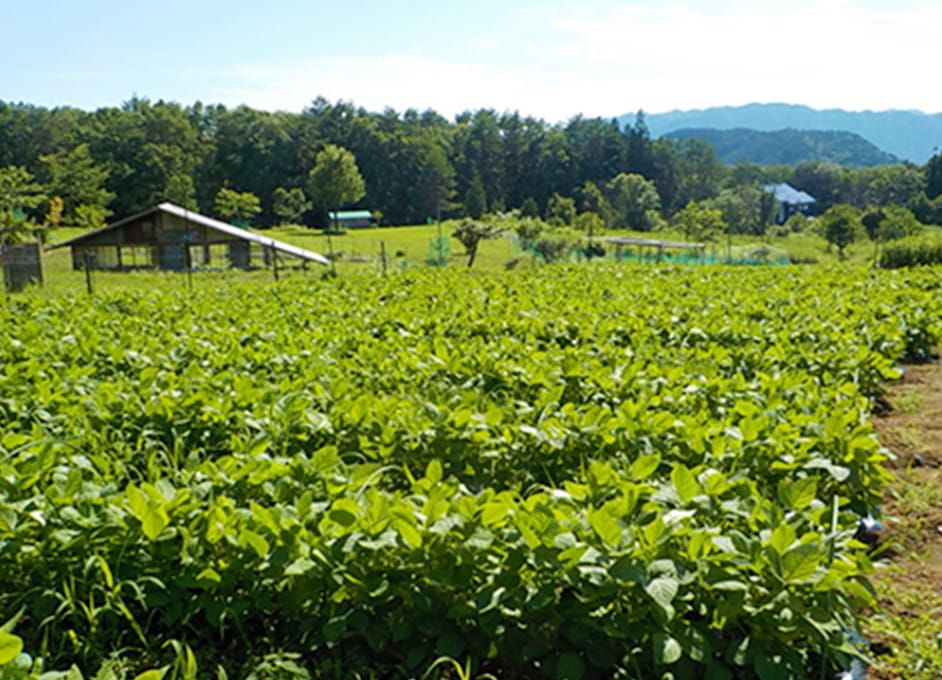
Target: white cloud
824,54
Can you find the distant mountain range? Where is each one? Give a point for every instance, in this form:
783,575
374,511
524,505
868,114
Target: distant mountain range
909,135
789,147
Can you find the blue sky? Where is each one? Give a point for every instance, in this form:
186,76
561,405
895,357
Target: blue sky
547,58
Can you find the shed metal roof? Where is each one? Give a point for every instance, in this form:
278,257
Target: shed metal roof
351,215
210,223
786,193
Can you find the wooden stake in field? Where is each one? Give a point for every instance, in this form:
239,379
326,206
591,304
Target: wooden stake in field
88,257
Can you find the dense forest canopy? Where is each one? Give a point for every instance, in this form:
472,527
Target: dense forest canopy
114,162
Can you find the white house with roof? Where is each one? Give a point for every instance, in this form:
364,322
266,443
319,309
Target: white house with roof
790,201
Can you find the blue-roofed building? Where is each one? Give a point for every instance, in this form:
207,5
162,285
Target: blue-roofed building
790,201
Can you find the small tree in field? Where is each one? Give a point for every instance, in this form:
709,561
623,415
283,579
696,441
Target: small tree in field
471,233
18,193
238,206
560,211
840,226
699,223
335,180
290,204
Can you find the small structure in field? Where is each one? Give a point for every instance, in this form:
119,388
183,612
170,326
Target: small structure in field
650,248
21,264
790,201
351,219
172,238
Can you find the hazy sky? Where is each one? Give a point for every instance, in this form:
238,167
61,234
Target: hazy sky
547,58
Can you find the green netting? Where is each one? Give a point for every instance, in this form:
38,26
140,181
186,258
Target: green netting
697,259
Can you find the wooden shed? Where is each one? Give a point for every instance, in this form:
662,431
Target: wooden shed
172,238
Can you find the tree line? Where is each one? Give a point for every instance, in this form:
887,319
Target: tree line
83,168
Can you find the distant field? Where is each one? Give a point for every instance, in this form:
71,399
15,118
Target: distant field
358,252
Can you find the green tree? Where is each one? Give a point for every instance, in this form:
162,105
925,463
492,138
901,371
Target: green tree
698,172
698,222
290,204
181,190
77,179
635,202
638,155
746,209
889,223
145,146
560,211
555,245
934,176
475,200
436,181
895,185
19,193
827,182
593,200
235,205
335,181
589,222
840,225
471,232
89,217
530,208
529,229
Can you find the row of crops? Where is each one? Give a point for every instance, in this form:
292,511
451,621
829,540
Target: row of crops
566,473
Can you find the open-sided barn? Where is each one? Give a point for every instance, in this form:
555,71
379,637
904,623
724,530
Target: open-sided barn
172,238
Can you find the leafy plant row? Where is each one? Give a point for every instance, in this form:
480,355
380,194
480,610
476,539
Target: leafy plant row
556,474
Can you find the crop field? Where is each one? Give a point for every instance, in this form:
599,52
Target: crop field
567,472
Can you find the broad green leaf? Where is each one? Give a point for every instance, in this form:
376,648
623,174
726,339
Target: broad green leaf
801,562
300,566
344,512
715,483
152,674
782,538
154,521
570,667
209,574
628,569
654,530
256,542
684,482
495,513
799,494
605,526
667,650
663,590
409,533
433,471
10,646
645,466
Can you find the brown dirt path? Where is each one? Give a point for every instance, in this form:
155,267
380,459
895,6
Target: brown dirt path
905,635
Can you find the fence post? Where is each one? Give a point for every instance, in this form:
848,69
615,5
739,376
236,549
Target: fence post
87,257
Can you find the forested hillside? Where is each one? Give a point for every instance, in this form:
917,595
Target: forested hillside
911,135
789,147
69,166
